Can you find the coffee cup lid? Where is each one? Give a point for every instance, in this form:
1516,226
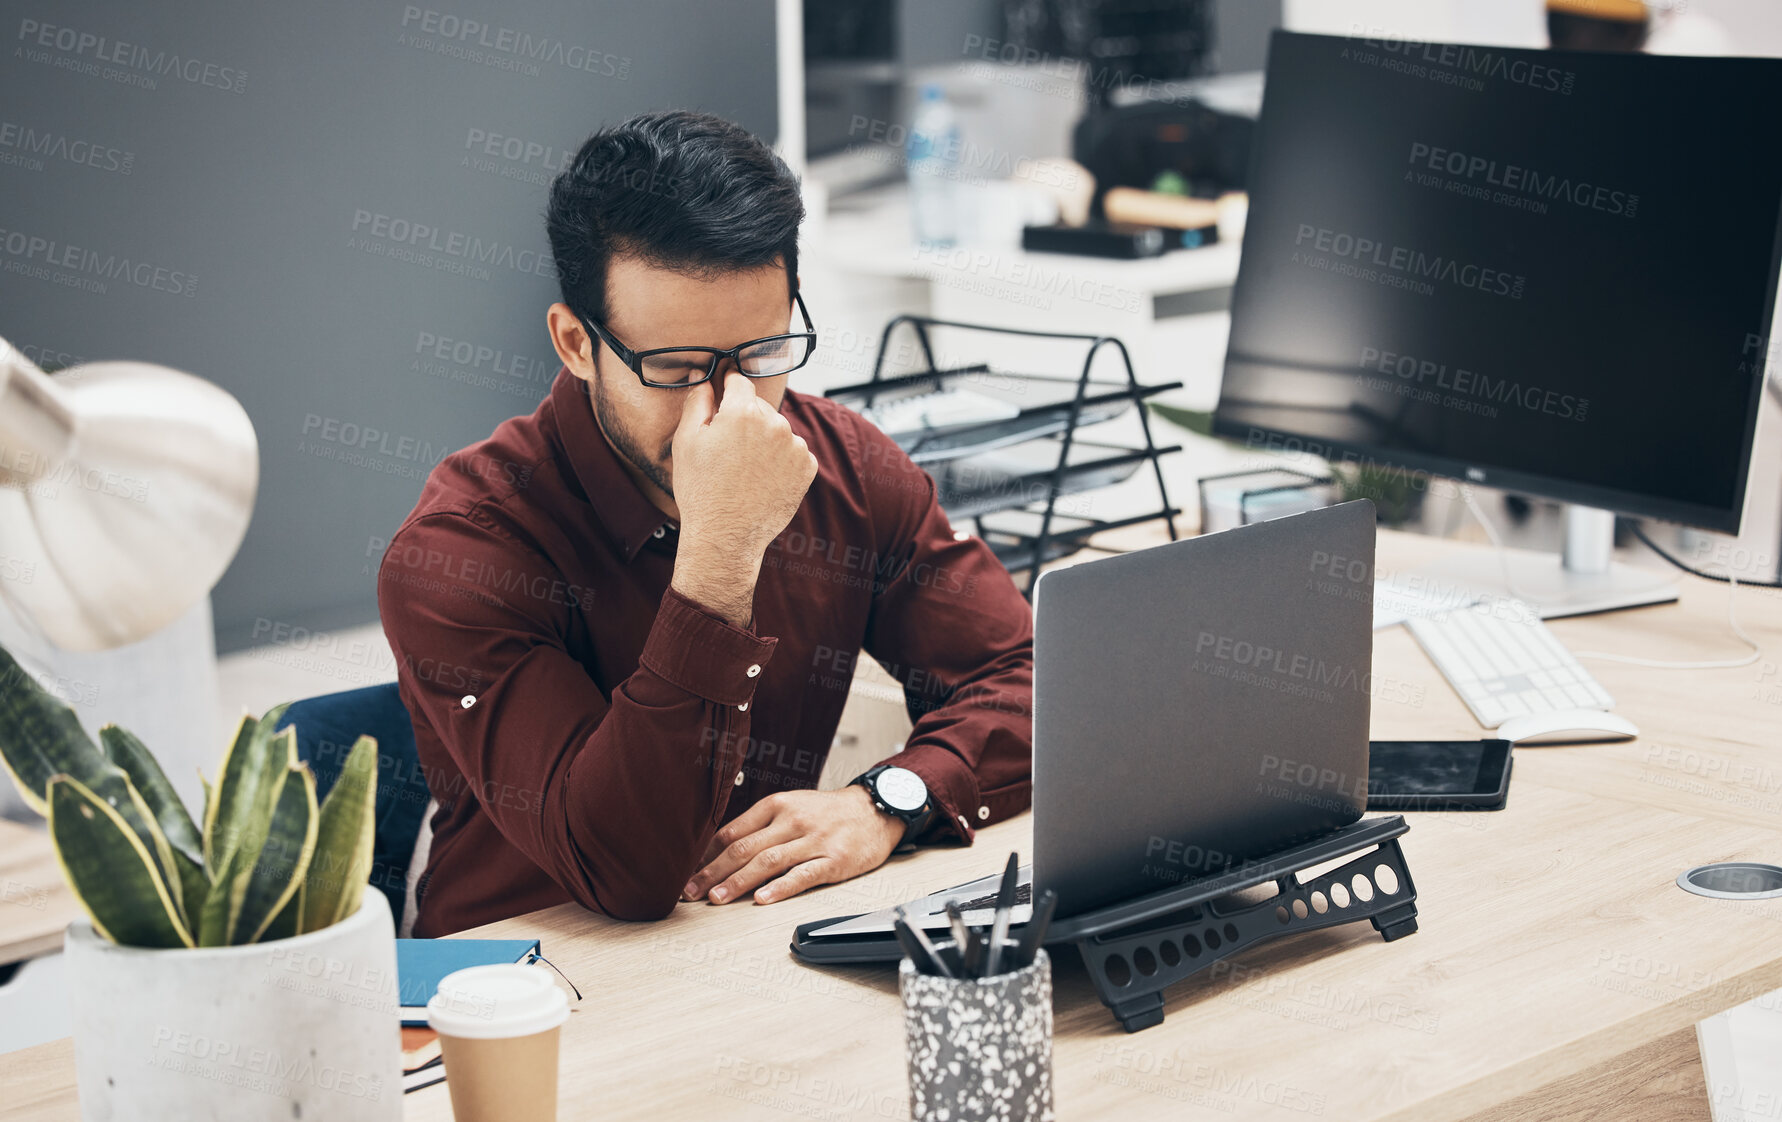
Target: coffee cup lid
501,1000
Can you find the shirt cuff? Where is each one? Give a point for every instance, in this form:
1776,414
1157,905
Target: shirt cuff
952,788
693,649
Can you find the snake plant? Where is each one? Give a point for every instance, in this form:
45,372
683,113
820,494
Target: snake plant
264,862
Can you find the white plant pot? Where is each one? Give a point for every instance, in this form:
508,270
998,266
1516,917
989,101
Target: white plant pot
296,1030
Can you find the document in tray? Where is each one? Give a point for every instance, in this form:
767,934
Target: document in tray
941,409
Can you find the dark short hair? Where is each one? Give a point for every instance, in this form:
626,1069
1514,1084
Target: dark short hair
685,191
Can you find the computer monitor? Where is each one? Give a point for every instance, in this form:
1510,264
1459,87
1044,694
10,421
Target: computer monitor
1549,272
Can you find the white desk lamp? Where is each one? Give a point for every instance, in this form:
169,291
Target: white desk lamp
125,490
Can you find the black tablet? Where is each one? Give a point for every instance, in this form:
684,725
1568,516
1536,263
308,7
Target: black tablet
1438,775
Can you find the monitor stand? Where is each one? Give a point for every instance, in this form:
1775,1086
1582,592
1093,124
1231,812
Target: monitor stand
1583,580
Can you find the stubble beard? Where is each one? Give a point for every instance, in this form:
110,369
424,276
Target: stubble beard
626,445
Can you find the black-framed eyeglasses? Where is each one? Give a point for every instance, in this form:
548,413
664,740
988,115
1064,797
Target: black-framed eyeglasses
679,368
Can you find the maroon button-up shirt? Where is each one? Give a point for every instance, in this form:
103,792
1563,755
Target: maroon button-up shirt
586,729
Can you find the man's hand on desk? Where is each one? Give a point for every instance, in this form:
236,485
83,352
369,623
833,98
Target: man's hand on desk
794,840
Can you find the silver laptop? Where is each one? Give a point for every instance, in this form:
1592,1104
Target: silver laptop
1196,706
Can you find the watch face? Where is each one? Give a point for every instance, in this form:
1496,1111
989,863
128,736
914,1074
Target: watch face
901,789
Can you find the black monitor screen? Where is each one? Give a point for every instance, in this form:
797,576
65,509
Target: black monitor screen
1546,271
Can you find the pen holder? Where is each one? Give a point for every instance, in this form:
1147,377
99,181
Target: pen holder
979,1048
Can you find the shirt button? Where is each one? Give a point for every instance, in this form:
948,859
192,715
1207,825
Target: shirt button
467,700
661,531
983,813
743,708
754,670
960,535
739,779
963,824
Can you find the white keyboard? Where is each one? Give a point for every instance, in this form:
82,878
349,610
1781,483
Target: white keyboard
1503,662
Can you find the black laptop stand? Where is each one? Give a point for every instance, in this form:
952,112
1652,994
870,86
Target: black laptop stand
1136,949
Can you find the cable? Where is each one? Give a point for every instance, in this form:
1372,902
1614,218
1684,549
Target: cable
1503,556
1731,581
1722,664
1466,494
1653,546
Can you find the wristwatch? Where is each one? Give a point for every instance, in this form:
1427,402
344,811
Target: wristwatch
899,792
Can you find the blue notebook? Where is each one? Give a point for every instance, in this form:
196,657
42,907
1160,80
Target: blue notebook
421,963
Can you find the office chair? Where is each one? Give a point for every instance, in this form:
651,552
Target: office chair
327,728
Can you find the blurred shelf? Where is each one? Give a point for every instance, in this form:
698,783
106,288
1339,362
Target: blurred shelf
1010,445
1047,416
975,486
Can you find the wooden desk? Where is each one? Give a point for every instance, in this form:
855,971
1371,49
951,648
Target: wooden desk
1558,971
35,903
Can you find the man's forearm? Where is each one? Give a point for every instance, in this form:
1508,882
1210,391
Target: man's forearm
629,819
719,577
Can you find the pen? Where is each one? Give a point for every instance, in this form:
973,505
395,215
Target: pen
1036,928
970,953
921,938
999,927
955,959
907,940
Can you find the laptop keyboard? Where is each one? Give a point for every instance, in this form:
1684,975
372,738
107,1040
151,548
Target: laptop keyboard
1023,895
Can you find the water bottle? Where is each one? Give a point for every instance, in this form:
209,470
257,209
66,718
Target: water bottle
933,161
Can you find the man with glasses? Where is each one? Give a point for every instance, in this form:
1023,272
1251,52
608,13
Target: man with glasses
625,625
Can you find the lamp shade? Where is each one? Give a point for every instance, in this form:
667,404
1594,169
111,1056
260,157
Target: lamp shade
125,490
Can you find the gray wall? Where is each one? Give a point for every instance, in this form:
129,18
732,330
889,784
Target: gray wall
221,187
937,31
1241,29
